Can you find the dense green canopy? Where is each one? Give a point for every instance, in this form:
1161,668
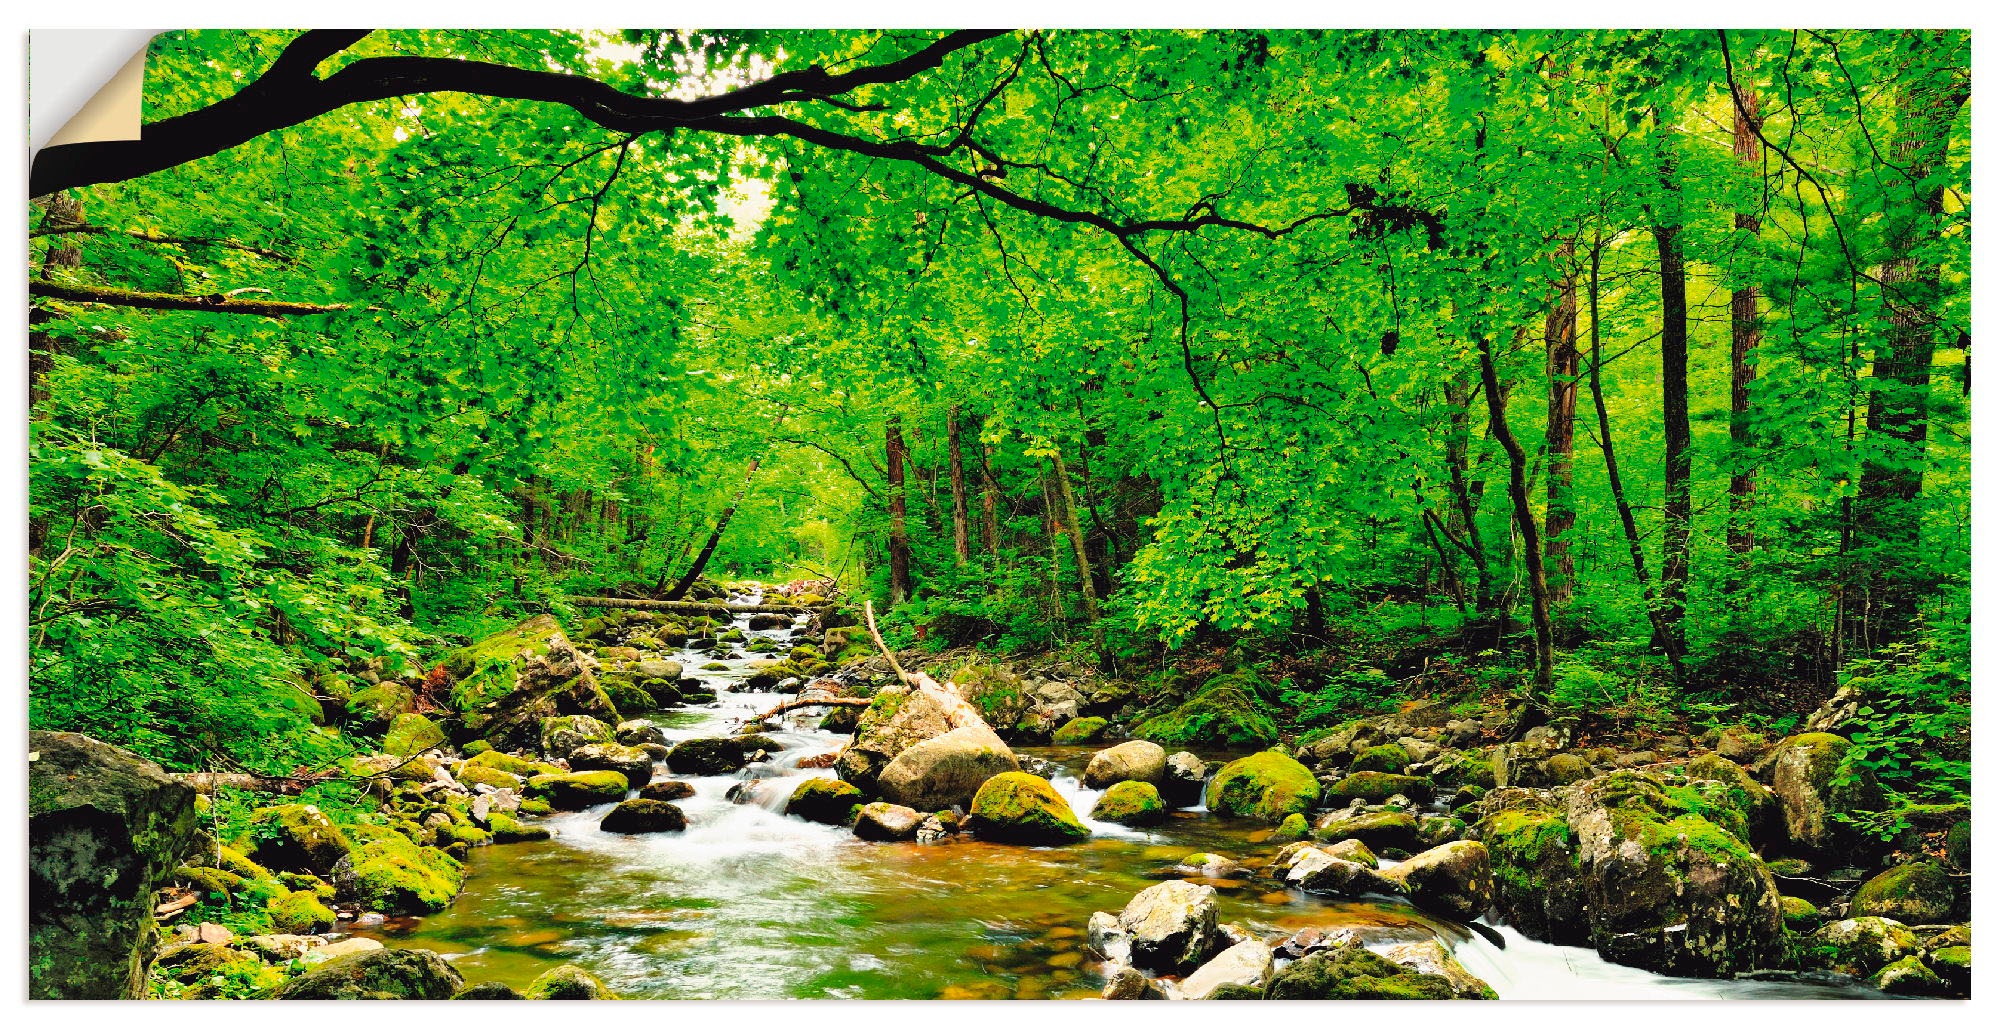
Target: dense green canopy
1637,360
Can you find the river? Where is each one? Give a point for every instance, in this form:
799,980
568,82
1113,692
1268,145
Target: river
751,904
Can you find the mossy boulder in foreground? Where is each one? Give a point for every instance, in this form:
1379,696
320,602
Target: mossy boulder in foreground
574,791
568,982
1815,780
1225,712
1353,973
296,838
1266,787
378,975
105,829
1016,807
1130,803
1081,730
387,872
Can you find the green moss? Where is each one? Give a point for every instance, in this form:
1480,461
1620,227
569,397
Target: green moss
568,982
1376,787
1352,973
476,748
512,765
411,733
1524,845
1800,915
1388,757
1266,786
827,801
1913,894
1081,730
475,775
1292,829
573,791
1225,712
507,829
488,670
299,912
392,874
1018,807
1130,803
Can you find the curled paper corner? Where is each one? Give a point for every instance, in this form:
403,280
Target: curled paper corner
85,85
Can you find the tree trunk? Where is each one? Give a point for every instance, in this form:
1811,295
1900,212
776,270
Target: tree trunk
899,539
700,564
1524,518
961,544
1661,636
989,502
1465,501
1559,332
1067,496
1677,504
1889,510
1743,339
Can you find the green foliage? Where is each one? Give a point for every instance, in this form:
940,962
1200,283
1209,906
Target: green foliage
1342,695
1914,728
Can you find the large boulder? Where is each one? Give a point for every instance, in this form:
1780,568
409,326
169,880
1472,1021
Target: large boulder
1815,779
900,717
634,764
105,829
1665,888
1862,946
887,823
1130,803
574,791
1245,966
507,684
1376,787
1354,973
1170,927
1537,885
1385,830
411,734
945,770
296,838
377,975
1079,731
827,801
639,815
1266,787
1225,712
717,755
1429,957
564,735
1455,880
568,982
1320,871
1915,894
387,872
1135,761
1181,784
1016,807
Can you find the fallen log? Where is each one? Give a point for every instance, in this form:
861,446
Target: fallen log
209,782
693,607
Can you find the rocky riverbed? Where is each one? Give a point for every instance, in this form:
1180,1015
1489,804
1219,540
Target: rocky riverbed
785,816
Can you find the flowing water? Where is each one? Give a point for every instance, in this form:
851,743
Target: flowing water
751,904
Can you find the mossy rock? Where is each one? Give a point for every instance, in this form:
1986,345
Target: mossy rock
378,705
1958,845
1225,712
507,829
243,977
1388,757
299,912
489,669
485,775
1380,830
1915,894
1909,977
1463,768
1353,973
1130,803
309,883
1081,730
296,838
1536,873
412,733
389,872
521,766
1016,807
475,748
1266,787
1292,829
826,801
378,975
1953,965
1861,946
574,791
1801,917
489,990
1376,787
627,696
568,982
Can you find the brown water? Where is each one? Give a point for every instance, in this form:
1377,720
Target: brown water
750,904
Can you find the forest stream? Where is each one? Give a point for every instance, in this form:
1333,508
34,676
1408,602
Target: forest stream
750,903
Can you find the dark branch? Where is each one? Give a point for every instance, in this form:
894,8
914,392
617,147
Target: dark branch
214,303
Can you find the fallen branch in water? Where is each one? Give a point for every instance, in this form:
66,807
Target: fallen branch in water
693,607
794,705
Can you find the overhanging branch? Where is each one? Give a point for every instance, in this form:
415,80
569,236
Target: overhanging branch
214,303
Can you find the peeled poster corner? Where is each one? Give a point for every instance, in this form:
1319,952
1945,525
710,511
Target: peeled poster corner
85,85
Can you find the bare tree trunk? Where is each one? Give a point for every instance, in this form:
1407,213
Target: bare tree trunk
1631,525
1559,332
700,564
1744,336
1677,504
989,502
1067,496
960,543
1465,500
899,539
1524,518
